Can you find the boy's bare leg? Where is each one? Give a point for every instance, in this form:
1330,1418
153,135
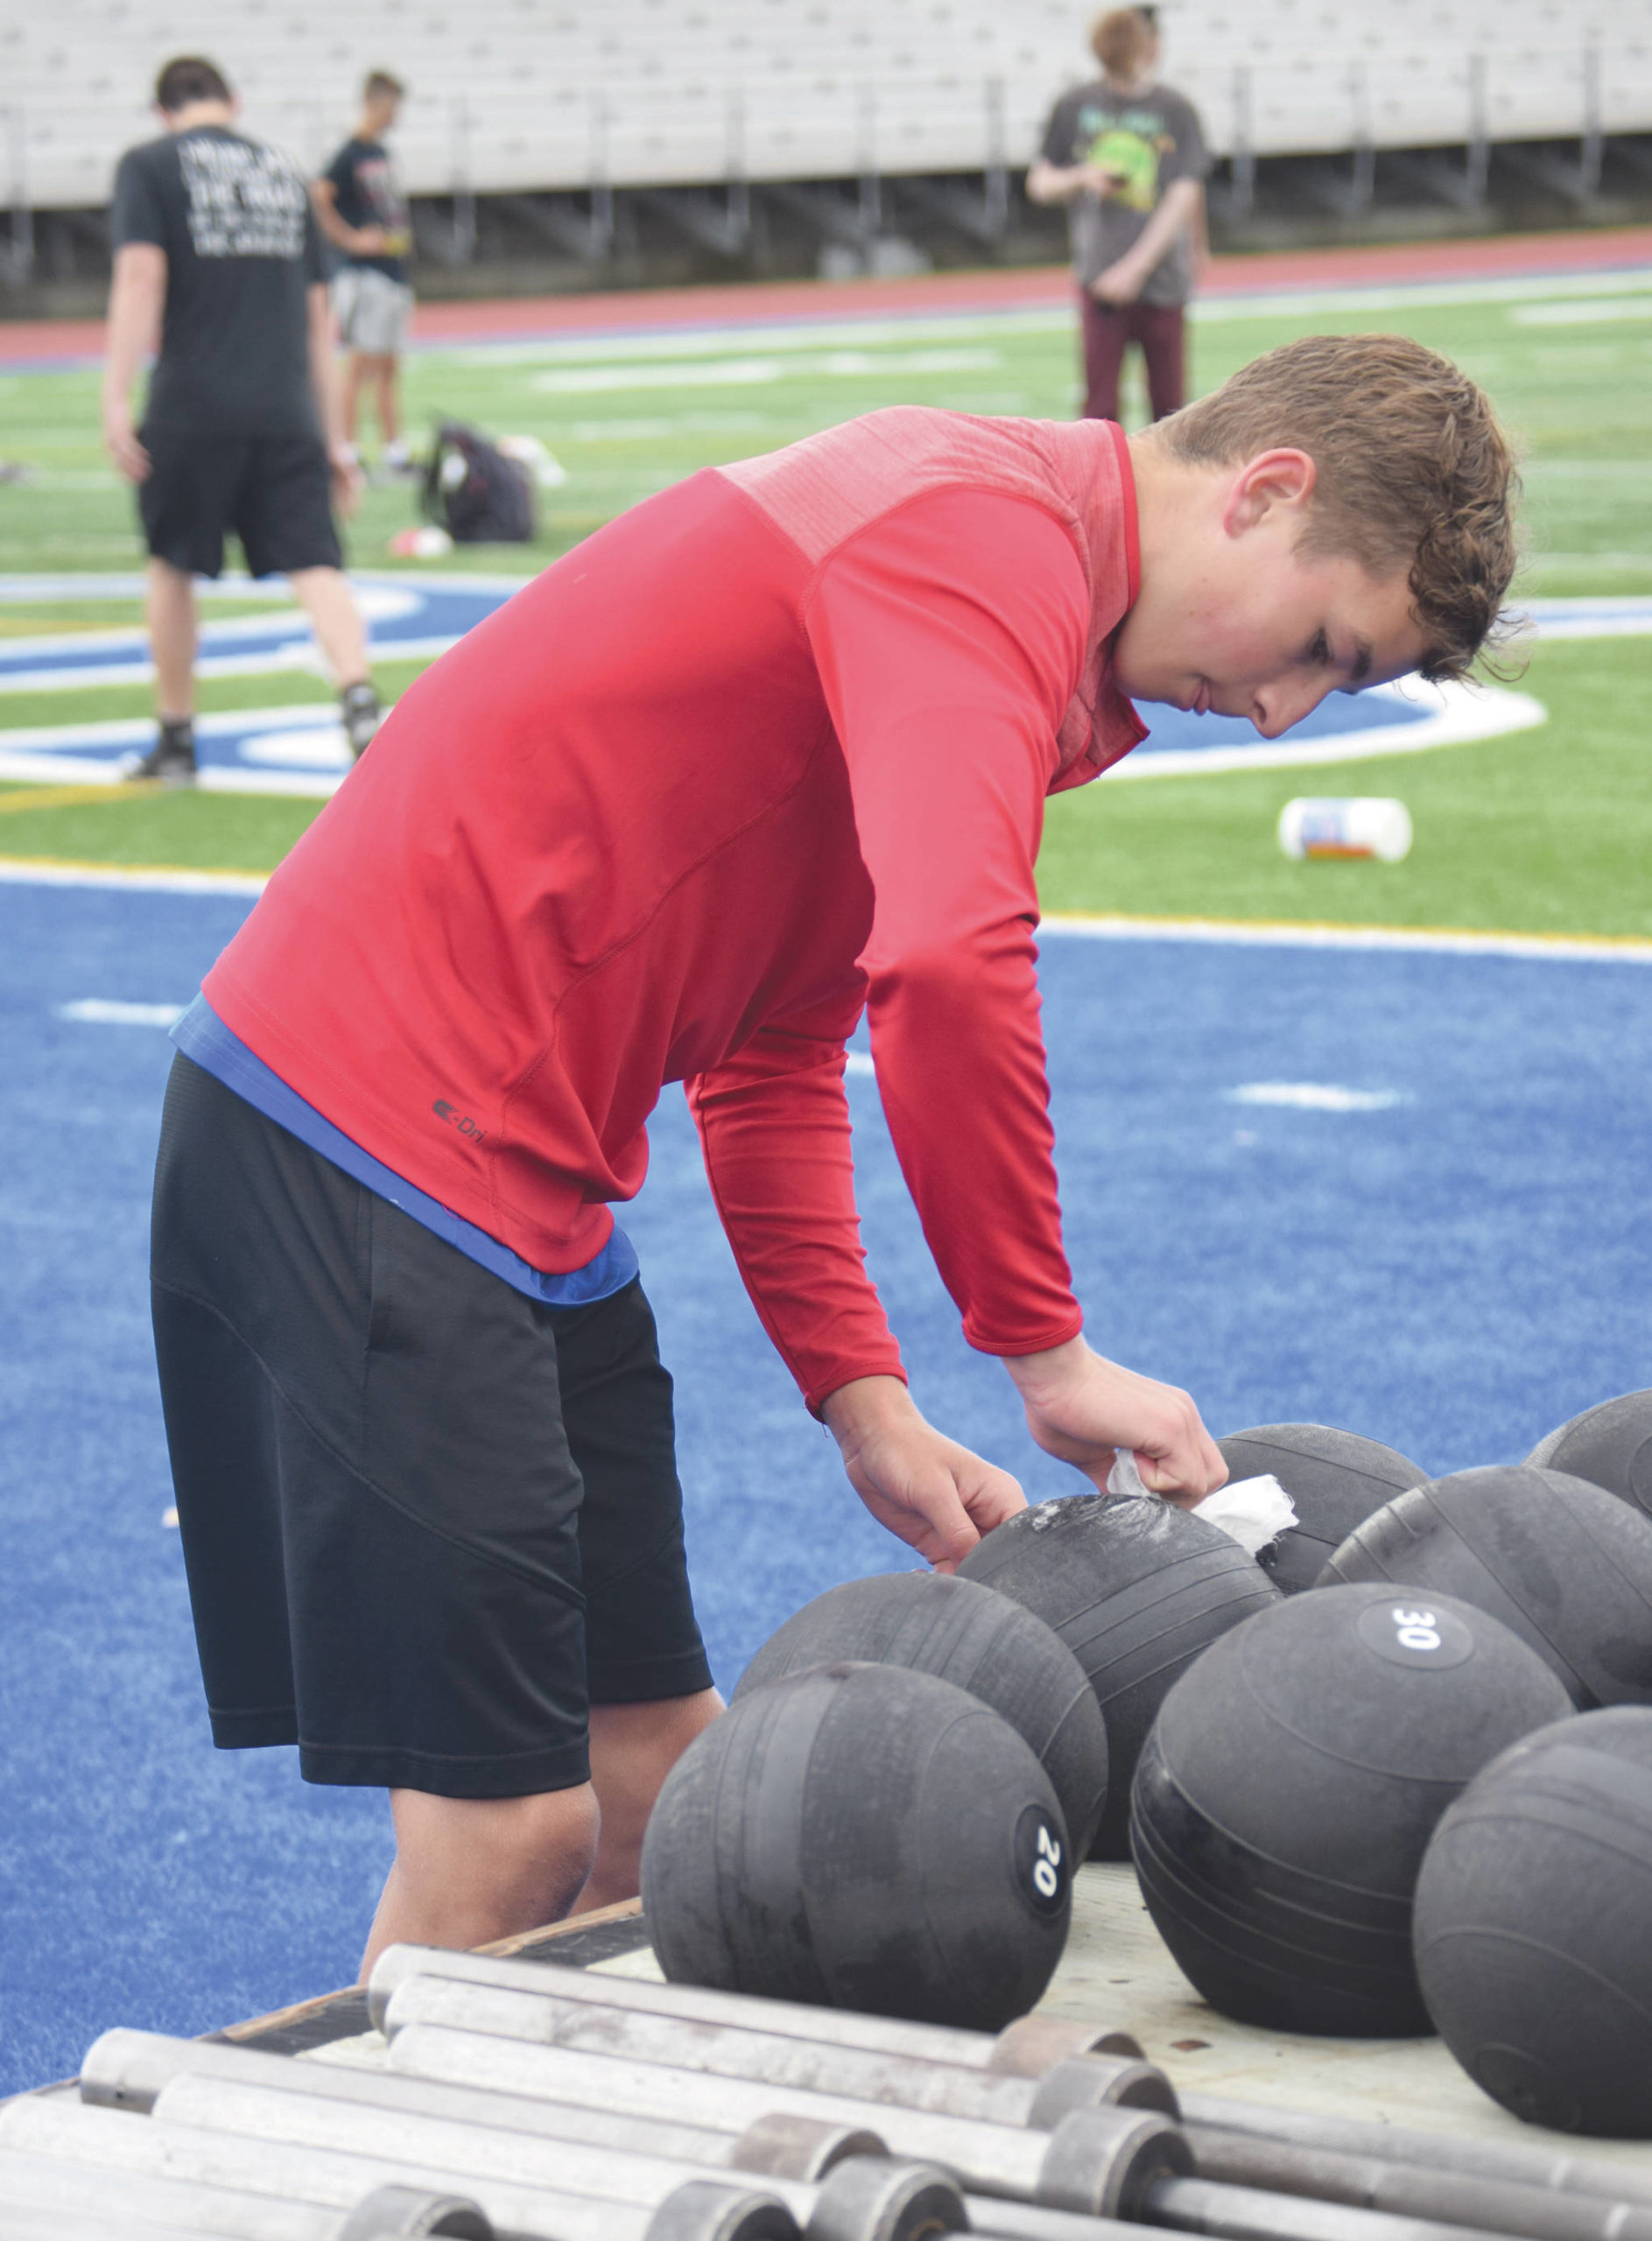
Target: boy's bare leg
349,393
384,398
170,612
633,1748
469,1870
325,597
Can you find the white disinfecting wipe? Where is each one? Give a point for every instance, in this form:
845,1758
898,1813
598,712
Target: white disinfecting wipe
1254,1511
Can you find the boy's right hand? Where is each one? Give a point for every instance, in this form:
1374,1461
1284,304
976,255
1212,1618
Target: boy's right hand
121,441
1102,180
1084,1409
926,1489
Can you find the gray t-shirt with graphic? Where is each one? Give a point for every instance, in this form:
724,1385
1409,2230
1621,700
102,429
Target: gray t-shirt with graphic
1147,141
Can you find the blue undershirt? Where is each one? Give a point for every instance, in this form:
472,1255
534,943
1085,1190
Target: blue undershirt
202,1036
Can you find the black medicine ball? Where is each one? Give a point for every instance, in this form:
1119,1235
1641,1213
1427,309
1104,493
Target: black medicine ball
1611,1446
1335,1479
1562,1563
1534,1926
1291,1782
931,1622
1136,1589
862,1837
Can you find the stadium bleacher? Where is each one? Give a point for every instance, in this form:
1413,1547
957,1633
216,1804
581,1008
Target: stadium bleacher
519,95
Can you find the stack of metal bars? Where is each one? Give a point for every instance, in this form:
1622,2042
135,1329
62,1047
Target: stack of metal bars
503,2097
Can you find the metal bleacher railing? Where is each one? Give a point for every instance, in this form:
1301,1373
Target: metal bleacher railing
525,97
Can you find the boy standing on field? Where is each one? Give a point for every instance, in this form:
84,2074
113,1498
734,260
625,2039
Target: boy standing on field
1126,156
217,260
769,751
364,213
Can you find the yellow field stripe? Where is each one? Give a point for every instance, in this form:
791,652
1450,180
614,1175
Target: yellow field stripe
28,797
72,871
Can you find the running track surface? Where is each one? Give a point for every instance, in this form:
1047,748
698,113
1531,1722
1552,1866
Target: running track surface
1454,1271
61,342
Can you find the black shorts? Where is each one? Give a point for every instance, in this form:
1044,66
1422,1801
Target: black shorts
426,1519
272,491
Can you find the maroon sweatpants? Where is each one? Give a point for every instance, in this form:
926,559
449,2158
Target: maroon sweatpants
1107,328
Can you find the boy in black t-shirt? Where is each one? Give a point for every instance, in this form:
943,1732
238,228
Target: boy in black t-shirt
1126,156
363,213
217,258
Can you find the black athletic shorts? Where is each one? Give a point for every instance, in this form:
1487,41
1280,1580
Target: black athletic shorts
272,491
426,1519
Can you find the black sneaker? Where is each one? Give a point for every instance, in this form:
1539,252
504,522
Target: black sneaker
171,759
362,717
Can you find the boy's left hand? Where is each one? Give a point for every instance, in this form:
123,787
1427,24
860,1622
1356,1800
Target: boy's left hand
1121,284
926,1489
1084,1409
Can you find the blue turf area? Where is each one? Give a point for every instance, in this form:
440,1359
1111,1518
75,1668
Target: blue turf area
1454,1270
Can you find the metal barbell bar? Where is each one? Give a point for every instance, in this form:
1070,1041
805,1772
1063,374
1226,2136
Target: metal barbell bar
1025,2048
545,2016
1518,2162
719,2209
45,2197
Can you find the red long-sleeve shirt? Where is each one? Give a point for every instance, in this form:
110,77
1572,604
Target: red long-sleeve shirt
769,749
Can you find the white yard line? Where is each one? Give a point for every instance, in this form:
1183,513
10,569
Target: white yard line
1280,933
116,1011
800,333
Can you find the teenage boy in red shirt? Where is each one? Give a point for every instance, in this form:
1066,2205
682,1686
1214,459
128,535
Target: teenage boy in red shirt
769,750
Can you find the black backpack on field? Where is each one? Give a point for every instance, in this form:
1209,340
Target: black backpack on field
474,492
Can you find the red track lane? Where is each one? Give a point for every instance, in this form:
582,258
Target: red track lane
26,342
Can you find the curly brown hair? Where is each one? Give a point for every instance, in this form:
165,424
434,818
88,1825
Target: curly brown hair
1413,472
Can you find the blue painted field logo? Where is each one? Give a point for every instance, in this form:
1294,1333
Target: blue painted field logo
293,748
299,749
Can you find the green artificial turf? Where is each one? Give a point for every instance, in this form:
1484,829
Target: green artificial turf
628,418
154,826
55,615
1547,829
98,704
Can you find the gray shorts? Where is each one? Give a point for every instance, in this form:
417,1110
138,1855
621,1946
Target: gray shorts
372,311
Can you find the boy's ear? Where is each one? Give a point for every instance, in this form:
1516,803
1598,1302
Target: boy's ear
1271,481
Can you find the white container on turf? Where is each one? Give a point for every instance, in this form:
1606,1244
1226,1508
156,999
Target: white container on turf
1358,824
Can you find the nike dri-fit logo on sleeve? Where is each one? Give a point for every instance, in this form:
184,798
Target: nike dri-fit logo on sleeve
243,201
455,1118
